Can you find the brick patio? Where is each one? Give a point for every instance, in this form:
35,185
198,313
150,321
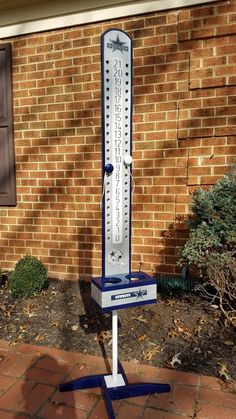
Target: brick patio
29,378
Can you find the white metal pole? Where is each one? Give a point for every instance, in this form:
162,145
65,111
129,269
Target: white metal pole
114,346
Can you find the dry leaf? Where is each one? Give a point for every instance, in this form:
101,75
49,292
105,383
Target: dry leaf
197,330
55,324
24,328
150,354
224,373
27,310
8,313
181,328
74,327
38,354
172,333
103,337
13,343
229,343
170,303
140,319
233,320
201,320
7,309
142,338
175,360
197,350
39,338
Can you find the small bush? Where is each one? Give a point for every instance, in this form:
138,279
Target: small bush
210,250
28,277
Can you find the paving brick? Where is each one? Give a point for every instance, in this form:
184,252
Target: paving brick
20,366
72,357
51,411
210,382
6,382
47,377
162,401
207,411
4,345
139,401
9,415
79,399
130,411
154,414
31,349
184,399
181,377
221,398
7,362
100,412
12,398
85,369
34,398
51,364
142,372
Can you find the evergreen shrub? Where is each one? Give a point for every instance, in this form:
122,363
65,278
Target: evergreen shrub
211,248
28,277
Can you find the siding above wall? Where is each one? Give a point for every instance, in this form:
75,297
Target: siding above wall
18,18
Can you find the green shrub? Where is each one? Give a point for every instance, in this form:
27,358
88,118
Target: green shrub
211,248
28,277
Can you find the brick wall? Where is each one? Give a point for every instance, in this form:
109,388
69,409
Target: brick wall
184,136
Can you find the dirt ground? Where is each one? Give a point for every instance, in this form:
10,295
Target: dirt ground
180,331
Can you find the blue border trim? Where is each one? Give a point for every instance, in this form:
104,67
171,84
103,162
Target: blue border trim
125,282
103,143
131,141
103,150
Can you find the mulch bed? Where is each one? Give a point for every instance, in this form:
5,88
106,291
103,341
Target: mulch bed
180,331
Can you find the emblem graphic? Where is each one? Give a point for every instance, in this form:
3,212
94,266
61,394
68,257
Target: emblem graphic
138,294
116,257
117,45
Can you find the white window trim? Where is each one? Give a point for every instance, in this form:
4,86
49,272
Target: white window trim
96,15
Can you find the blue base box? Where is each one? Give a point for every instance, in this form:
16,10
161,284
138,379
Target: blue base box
124,290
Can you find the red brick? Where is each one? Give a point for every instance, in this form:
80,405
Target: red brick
20,366
6,382
9,415
45,377
129,410
50,411
7,362
100,410
79,400
34,398
154,414
223,398
13,397
208,411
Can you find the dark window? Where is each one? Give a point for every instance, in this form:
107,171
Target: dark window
7,161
